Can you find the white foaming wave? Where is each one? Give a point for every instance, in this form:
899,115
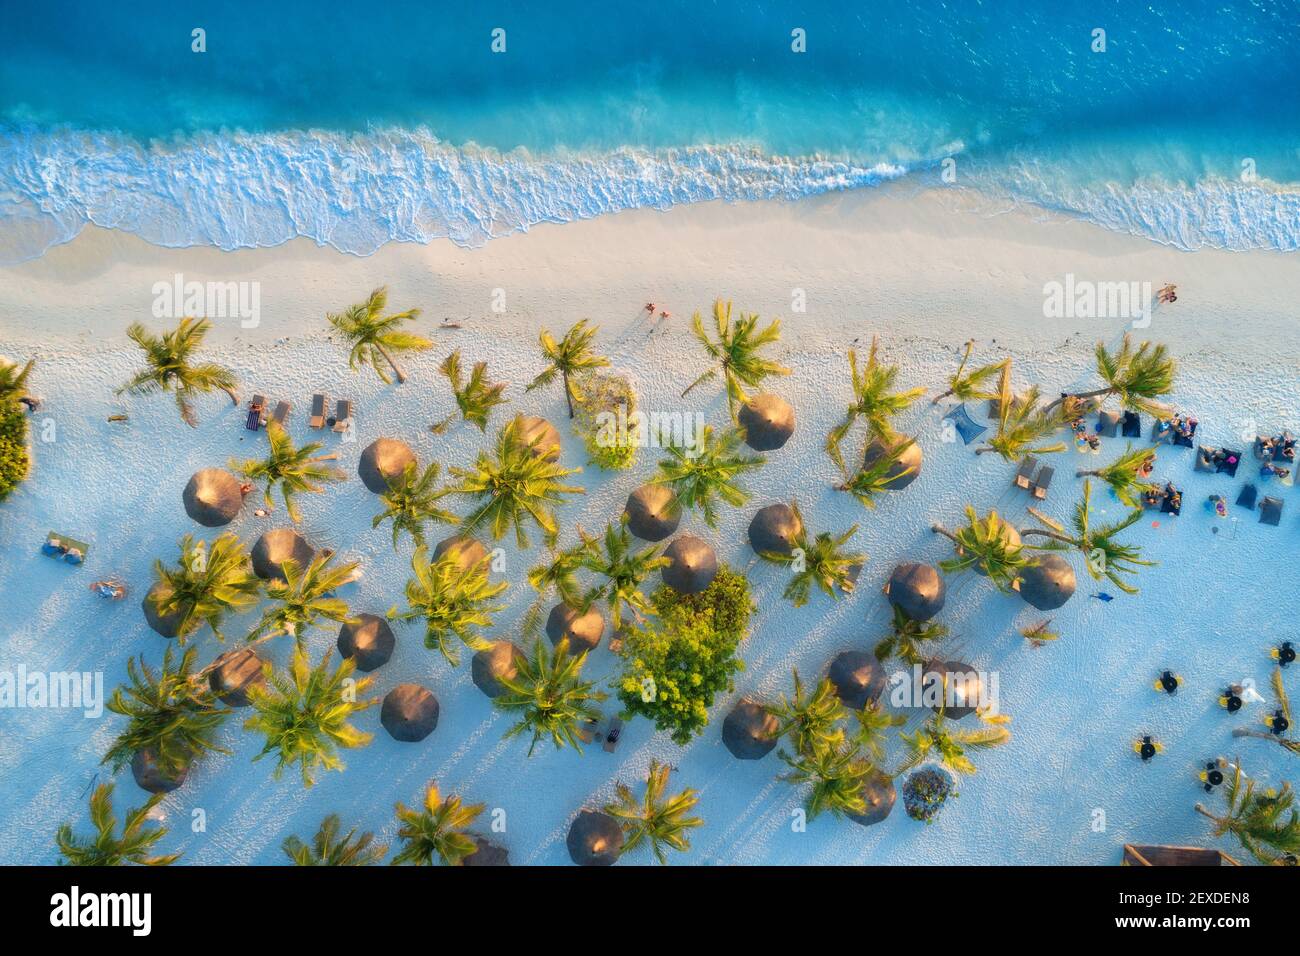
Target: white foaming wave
356,192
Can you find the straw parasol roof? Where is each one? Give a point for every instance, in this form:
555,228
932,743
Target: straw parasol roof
858,678
498,661
775,528
749,731
539,435
652,512
369,641
466,550
768,421
583,631
212,497
1049,583
918,589
235,673
487,854
878,790
151,777
595,839
383,461
898,476
168,625
409,712
963,687
692,564
277,546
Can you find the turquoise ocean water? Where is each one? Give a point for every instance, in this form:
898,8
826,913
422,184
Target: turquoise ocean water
398,122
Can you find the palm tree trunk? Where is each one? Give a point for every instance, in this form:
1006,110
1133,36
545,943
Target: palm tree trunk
984,450
401,376
1242,732
1199,808
1082,473
940,397
1054,535
234,398
568,396
940,529
1081,395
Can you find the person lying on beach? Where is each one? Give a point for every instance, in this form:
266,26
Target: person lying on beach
1167,293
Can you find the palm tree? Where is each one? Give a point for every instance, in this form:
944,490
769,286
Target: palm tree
304,598
1276,729
988,544
410,503
437,831
873,722
970,386
475,399
106,848
907,637
1124,475
837,773
659,821
559,574
566,358
938,738
550,696
698,474
514,486
328,848
1265,824
623,570
210,581
871,481
376,336
823,562
295,470
811,721
169,713
1022,424
1039,634
304,715
454,600
1136,377
169,366
735,353
874,401
13,381
1104,556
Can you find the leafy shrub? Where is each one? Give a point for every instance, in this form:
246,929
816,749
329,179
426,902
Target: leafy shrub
14,462
926,791
605,419
678,661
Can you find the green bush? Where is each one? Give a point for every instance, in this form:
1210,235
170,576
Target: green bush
14,461
678,661
605,420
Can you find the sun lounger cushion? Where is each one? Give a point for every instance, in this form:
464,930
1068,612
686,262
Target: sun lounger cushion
1270,511
1025,473
1205,459
1172,505
1108,424
281,412
1247,497
1131,425
966,427
1043,481
1228,466
1185,440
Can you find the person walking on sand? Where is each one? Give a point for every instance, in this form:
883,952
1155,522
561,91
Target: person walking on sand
1167,293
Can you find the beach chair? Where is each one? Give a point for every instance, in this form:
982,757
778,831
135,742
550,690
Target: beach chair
1264,452
1025,473
1247,498
1270,511
1185,441
1108,424
1205,459
1172,503
613,734
62,548
1131,425
1284,447
281,415
1228,464
256,413
317,411
964,425
343,415
588,731
1043,482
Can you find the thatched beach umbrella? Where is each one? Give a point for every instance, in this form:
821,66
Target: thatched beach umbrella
692,564
369,641
539,436
749,731
652,512
409,712
595,839
212,497
768,421
487,854
168,625
151,777
467,551
489,666
382,462
879,793
962,687
583,631
858,678
277,546
775,528
918,589
236,672
904,471
1049,583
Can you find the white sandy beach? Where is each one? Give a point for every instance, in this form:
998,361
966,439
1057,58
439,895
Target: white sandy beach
924,271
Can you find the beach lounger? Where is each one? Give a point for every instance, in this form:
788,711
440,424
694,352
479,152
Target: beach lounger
1260,453
613,734
1205,459
1228,466
1043,481
256,413
342,416
587,732
1108,424
63,548
281,414
1025,473
1270,511
965,426
1172,503
317,411
1131,425
1185,441
1247,498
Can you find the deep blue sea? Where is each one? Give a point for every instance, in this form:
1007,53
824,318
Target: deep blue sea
356,125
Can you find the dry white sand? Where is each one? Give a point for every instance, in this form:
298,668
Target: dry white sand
924,271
